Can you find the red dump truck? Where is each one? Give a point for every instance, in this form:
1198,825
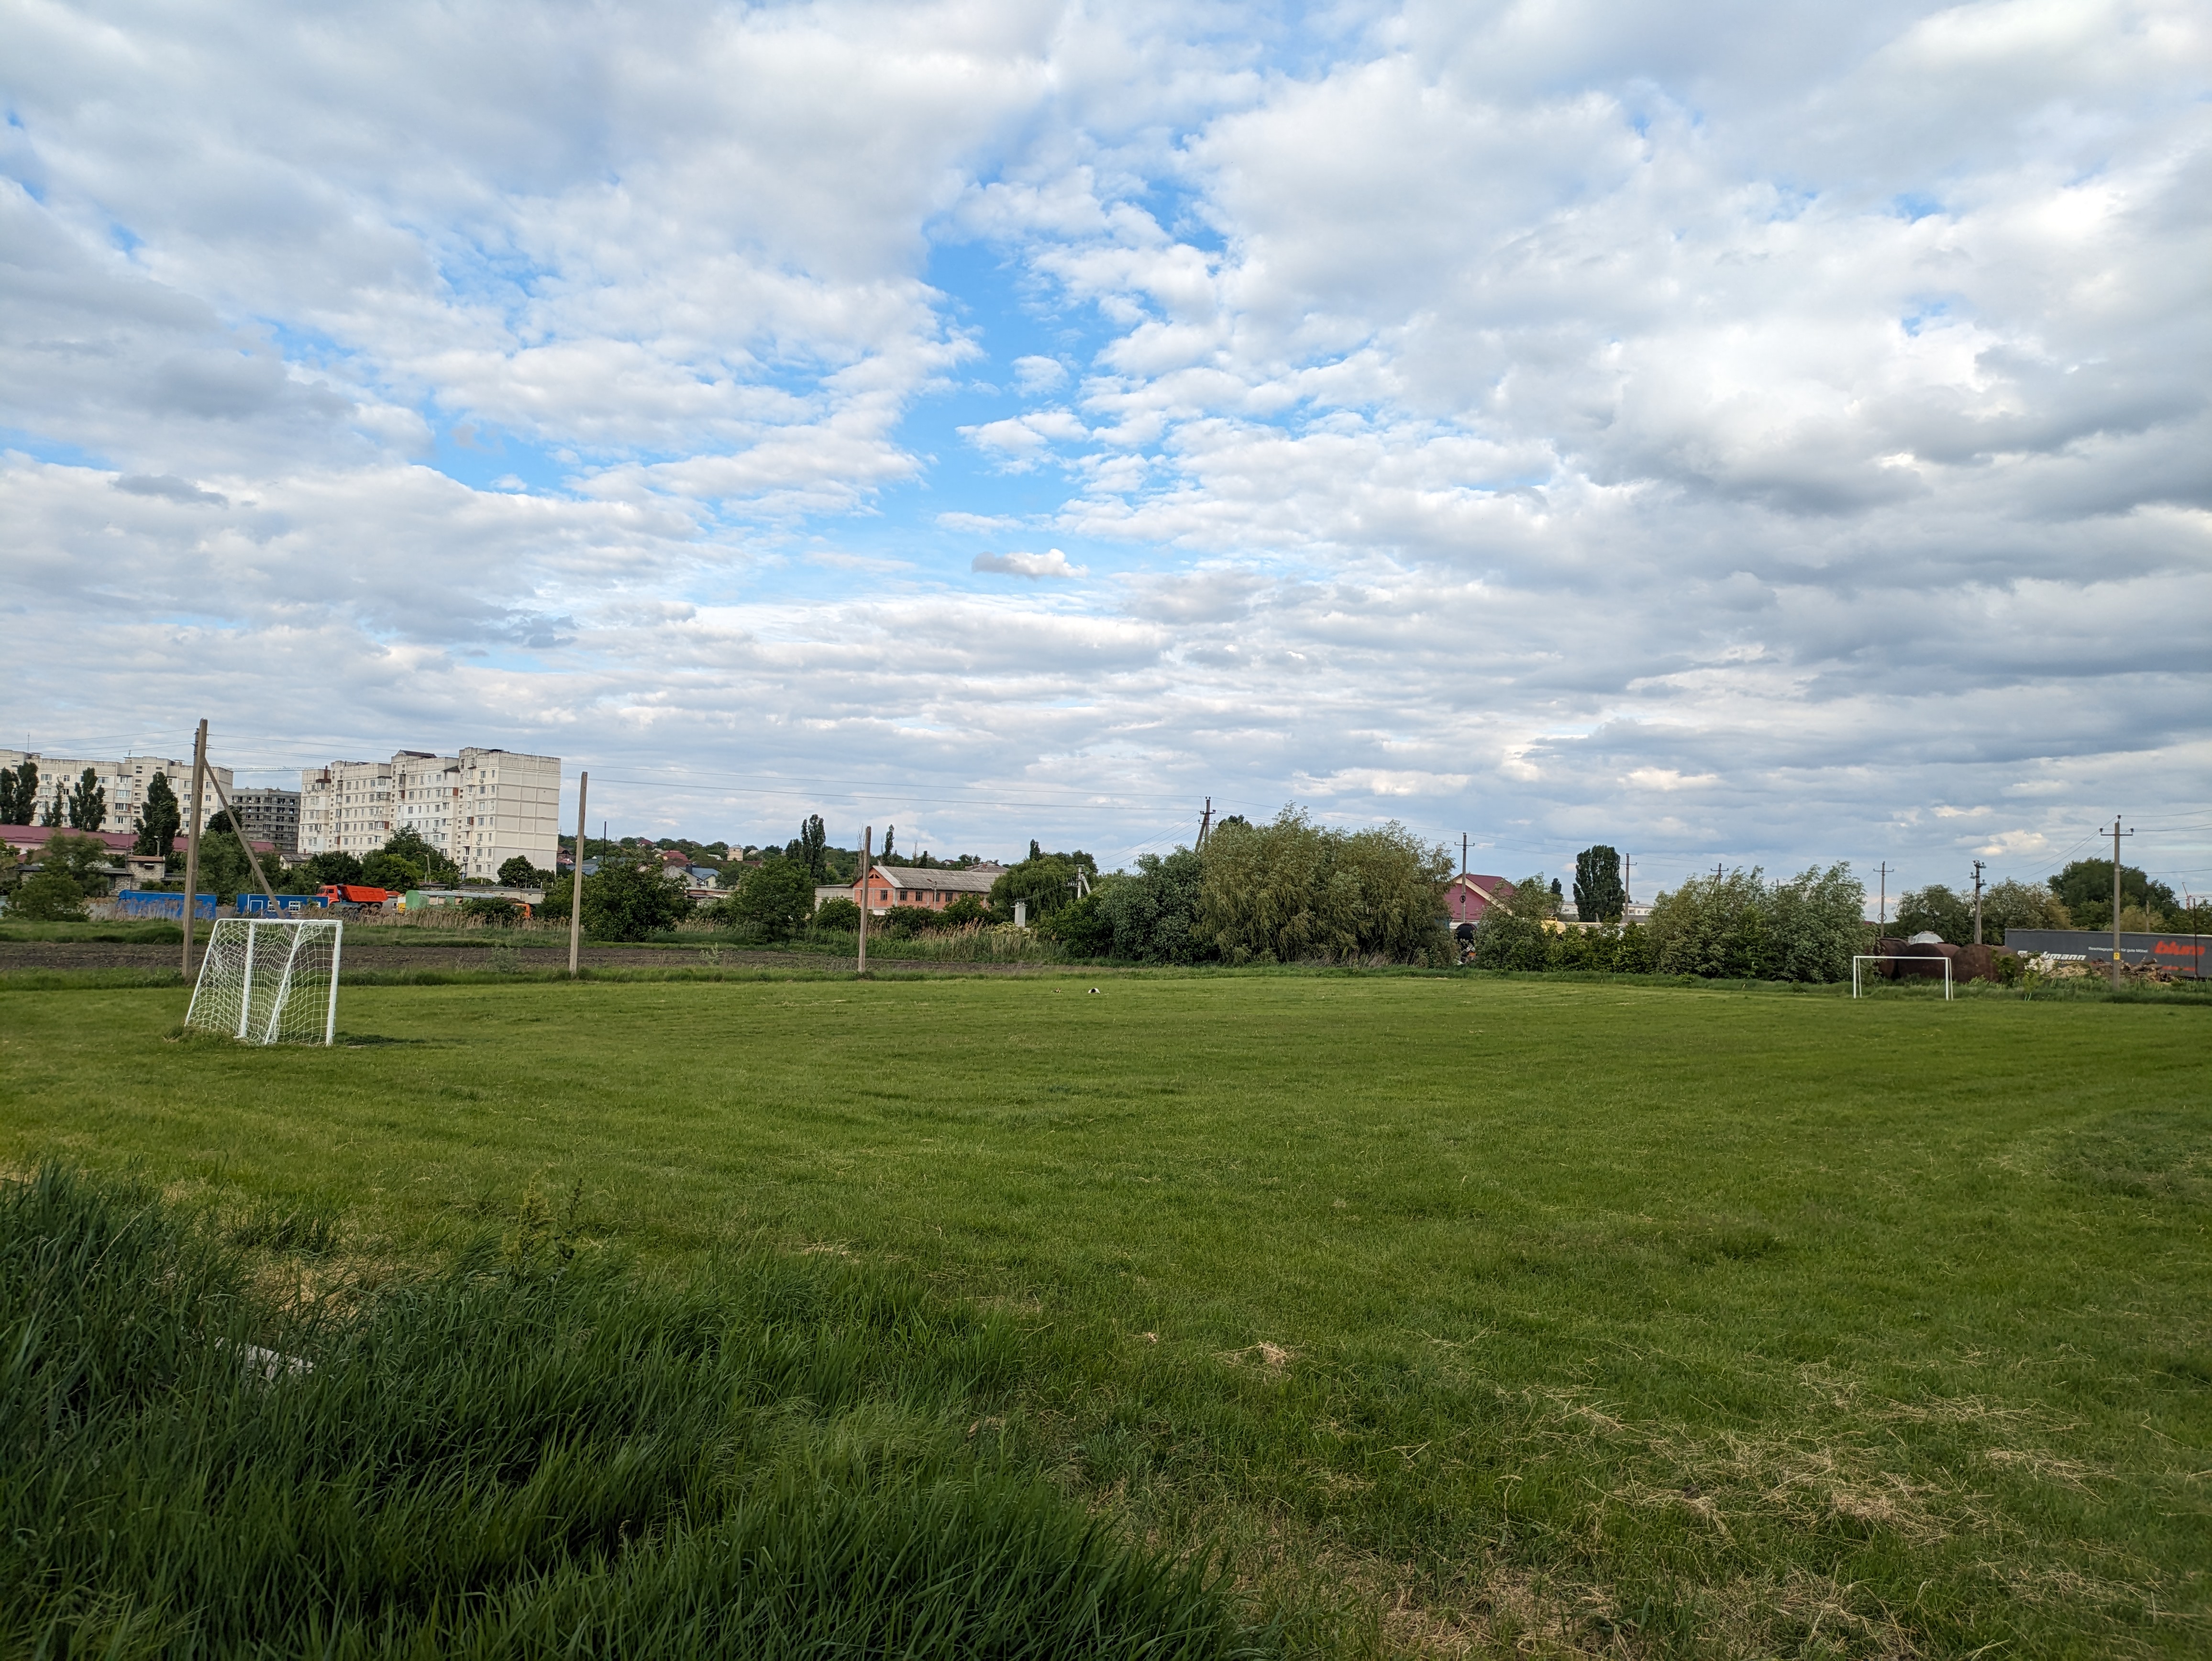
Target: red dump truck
351,896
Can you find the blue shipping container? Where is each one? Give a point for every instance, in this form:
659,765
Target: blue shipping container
257,905
151,902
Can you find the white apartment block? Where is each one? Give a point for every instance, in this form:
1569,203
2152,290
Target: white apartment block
125,782
480,808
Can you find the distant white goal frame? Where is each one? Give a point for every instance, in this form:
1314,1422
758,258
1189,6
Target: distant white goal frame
1900,957
223,995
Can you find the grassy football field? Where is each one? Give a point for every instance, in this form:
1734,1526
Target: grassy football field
1462,1313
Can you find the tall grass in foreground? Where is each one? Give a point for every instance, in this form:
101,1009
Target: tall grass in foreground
531,1453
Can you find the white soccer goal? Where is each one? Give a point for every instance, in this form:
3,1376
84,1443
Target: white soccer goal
1898,956
269,980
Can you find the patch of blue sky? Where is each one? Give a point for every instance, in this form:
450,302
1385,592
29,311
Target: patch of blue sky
486,459
1180,211
1010,315
1914,205
55,452
311,347
1926,312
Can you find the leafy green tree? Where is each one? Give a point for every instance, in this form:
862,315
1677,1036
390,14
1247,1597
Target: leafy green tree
84,859
2013,904
840,915
160,816
900,922
774,899
1936,910
385,869
1046,881
1815,922
223,870
2084,889
47,896
19,793
628,899
1291,892
813,848
1712,925
88,803
965,912
1082,928
1153,911
1738,927
1600,896
1514,932
519,872
409,844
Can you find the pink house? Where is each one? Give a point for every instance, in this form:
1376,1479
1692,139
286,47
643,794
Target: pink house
1467,897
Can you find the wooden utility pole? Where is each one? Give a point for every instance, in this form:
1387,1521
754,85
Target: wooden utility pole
193,843
1206,822
239,831
1979,868
2116,834
576,886
867,860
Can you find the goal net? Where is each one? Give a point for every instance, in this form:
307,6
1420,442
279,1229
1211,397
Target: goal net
269,980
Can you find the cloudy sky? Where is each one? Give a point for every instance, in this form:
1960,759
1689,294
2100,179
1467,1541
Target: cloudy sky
1753,432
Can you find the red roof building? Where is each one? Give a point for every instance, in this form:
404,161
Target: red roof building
1467,896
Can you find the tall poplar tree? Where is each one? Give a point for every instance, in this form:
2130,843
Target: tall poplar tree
160,819
88,803
1600,896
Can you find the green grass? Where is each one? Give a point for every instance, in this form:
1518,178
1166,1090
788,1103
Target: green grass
120,932
542,1455
1594,1314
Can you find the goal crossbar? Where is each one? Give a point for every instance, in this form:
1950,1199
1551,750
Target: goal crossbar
266,981
1899,956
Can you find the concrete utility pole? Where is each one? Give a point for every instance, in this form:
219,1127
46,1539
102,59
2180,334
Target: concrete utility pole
2116,834
1881,912
576,883
867,860
1978,902
1628,881
193,843
1206,822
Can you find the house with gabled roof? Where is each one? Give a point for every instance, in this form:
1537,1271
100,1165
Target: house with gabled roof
1466,896
933,887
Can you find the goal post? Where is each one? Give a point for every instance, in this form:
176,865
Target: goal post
269,980
1899,956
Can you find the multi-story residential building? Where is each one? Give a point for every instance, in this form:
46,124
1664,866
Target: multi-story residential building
269,816
479,808
124,781
511,805
345,807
